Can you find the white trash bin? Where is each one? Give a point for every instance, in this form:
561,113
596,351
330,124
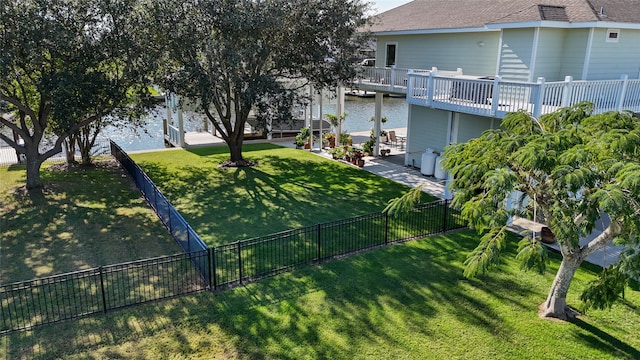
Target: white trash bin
439,173
428,162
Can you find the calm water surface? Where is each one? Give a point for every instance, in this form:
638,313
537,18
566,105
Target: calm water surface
359,111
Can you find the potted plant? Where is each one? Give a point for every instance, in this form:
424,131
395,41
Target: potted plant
299,141
383,137
331,139
368,146
348,153
305,136
345,139
335,120
337,153
358,157
382,119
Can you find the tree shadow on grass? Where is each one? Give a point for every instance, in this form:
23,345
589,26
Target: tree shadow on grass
599,339
357,301
80,220
390,299
224,150
281,193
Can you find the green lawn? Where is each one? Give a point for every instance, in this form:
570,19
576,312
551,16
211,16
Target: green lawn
83,219
288,189
407,301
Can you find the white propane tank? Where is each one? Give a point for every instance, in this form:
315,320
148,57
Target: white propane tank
440,174
428,162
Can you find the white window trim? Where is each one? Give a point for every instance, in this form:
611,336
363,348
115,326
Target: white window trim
609,39
386,48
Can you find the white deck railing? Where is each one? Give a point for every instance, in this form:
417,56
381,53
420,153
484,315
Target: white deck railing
173,135
451,90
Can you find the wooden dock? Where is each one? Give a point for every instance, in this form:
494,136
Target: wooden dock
199,139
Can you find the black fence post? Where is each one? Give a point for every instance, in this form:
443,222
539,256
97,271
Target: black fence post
169,222
319,242
188,241
212,267
444,218
155,200
386,228
239,261
104,297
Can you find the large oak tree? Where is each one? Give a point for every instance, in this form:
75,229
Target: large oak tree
233,57
65,64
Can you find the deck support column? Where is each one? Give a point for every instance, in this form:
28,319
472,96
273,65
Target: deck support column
168,121
339,111
181,126
377,123
311,142
320,119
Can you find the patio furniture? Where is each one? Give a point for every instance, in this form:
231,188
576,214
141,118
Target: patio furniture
402,138
392,138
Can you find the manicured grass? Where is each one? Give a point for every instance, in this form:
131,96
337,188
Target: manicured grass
288,189
83,219
408,301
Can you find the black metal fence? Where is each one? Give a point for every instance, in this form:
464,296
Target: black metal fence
178,227
260,257
47,300
52,299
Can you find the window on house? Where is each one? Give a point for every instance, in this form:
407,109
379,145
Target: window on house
613,35
391,55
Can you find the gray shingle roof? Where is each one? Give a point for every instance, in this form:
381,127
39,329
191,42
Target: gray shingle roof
452,14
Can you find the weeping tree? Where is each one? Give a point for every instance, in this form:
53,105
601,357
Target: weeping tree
575,168
66,64
238,57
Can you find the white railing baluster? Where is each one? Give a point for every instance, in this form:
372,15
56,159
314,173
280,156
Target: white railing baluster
431,85
566,92
539,93
623,92
392,83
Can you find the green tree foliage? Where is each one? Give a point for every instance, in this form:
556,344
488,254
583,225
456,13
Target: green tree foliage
65,64
238,56
578,167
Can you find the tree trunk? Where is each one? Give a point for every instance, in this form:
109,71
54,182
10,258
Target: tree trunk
70,146
33,172
556,304
235,148
86,141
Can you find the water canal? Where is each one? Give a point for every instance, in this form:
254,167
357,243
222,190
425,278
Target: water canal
359,112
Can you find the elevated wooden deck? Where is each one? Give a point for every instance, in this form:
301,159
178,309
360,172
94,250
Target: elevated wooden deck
496,97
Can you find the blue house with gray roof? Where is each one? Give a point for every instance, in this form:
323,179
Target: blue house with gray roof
464,65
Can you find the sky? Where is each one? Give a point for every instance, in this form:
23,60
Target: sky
384,5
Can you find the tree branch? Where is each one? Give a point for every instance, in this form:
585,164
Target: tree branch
17,103
614,229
